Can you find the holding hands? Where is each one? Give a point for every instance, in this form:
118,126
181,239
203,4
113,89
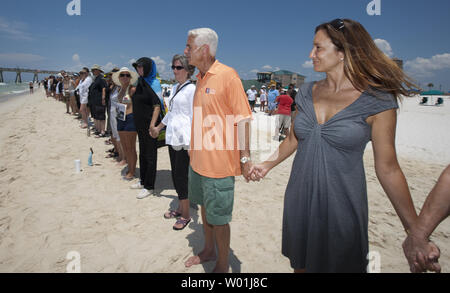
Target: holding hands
154,131
255,172
421,253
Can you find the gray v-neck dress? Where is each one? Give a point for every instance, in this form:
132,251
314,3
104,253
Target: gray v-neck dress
325,220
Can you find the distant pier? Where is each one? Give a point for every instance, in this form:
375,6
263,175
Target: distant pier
19,72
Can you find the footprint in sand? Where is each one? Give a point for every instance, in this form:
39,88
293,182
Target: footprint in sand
4,224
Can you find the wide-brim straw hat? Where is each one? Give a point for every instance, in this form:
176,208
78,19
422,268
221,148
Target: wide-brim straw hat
96,67
134,76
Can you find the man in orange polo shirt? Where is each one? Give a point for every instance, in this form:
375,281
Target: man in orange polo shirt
219,148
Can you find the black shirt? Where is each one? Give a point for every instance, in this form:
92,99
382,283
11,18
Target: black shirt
144,100
96,91
292,93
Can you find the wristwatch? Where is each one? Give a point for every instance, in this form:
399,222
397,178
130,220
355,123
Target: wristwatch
245,160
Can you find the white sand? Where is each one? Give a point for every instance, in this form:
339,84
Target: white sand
46,210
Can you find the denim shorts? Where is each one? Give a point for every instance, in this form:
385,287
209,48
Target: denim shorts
272,106
127,125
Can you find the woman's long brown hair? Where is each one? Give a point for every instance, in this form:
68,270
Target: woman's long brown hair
365,65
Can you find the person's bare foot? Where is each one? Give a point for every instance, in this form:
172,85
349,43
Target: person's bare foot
200,258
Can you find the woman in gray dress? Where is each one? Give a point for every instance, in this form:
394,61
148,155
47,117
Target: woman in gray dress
325,219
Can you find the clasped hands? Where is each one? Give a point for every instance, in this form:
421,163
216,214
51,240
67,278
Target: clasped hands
254,172
154,131
422,254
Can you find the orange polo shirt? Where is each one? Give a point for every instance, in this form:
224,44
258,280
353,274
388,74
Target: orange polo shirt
219,104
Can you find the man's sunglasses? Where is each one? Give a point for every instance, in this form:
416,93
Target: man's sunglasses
177,67
124,75
337,24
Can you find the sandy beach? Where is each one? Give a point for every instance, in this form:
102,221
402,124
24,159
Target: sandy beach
47,211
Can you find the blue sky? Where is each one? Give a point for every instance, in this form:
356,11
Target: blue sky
253,35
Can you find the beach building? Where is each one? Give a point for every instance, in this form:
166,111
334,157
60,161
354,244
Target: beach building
264,77
282,77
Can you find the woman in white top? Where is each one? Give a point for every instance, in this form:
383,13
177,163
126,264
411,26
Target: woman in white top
83,88
262,98
178,121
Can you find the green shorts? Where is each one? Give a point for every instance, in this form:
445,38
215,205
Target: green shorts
215,194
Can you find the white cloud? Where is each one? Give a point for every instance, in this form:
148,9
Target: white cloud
159,61
254,71
384,46
19,59
76,58
14,30
78,64
131,61
161,67
308,64
267,67
108,67
425,67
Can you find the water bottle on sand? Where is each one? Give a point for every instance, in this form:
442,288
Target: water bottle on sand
77,166
90,158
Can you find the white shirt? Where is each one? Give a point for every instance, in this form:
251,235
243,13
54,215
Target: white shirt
252,94
262,95
57,88
84,88
179,116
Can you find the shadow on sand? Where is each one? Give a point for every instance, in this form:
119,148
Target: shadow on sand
196,238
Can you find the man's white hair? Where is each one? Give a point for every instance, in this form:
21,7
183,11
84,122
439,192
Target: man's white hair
205,36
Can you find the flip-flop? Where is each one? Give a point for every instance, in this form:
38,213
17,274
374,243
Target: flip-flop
182,221
172,214
112,155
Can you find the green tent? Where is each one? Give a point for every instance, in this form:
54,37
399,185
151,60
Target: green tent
432,93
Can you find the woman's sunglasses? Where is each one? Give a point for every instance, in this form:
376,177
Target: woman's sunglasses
124,75
177,67
337,24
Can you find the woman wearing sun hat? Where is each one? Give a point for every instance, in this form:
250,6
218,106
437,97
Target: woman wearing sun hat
125,79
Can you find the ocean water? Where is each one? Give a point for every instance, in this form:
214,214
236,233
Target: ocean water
12,88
